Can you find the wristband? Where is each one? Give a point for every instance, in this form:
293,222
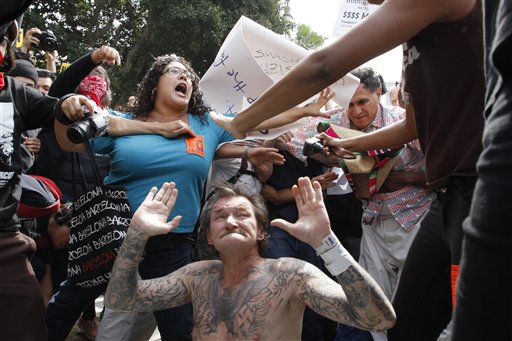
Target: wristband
335,257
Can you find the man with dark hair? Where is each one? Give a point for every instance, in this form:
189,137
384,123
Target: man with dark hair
45,80
244,296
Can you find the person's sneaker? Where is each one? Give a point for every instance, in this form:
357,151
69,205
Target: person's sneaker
89,328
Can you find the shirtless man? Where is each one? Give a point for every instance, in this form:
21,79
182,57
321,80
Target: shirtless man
244,296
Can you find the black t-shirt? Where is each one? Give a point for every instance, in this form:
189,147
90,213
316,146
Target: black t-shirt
285,176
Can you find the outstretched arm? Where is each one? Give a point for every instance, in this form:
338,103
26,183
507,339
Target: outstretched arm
362,43
126,291
361,302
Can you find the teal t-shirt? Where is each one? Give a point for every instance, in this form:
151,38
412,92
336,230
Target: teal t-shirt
139,162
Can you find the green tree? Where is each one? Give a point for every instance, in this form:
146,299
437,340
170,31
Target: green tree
143,29
307,38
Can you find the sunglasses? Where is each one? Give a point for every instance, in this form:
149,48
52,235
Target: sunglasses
177,72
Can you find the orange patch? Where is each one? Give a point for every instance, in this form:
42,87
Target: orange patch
195,145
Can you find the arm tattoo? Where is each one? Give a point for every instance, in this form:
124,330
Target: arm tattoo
127,292
363,305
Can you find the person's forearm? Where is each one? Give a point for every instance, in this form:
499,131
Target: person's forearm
325,66
393,135
367,307
281,119
123,286
277,197
230,151
118,126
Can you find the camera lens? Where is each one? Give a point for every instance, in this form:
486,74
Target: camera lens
80,131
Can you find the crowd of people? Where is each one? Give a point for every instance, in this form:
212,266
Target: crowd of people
237,238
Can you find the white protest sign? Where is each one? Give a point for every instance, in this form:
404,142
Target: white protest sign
351,12
249,61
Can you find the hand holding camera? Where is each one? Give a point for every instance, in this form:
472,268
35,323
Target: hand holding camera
86,119
37,39
47,41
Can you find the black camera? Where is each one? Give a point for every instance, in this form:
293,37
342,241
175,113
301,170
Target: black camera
92,125
47,41
312,146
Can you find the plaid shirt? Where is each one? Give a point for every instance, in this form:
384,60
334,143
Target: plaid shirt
409,203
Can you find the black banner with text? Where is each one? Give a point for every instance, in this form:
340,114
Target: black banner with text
98,227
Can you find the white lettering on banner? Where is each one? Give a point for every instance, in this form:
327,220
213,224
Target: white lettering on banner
86,197
74,270
106,205
77,220
119,221
80,251
72,239
91,229
116,194
108,238
95,281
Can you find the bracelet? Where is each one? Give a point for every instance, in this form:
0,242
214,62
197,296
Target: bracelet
335,256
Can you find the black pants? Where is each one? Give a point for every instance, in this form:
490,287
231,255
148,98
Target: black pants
423,300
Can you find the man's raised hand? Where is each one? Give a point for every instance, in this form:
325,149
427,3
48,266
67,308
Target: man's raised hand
313,224
151,216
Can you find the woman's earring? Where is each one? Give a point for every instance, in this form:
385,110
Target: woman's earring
153,95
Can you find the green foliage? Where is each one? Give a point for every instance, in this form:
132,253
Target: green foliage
307,38
142,29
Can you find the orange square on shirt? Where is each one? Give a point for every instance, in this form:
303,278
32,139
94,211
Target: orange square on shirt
195,145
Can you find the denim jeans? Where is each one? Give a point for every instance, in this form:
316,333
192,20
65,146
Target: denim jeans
282,244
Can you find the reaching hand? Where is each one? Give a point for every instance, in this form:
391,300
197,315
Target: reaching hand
314,109
260,155
152,214
313,224
334,146
225,123
326,179
30,40
175,128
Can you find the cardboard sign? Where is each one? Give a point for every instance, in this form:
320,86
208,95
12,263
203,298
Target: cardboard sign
98,227
250,60
351,13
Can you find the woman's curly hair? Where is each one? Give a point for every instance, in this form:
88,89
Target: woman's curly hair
145,99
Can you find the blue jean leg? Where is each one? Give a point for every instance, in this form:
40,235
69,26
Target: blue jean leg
66,306
282,244
163,257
